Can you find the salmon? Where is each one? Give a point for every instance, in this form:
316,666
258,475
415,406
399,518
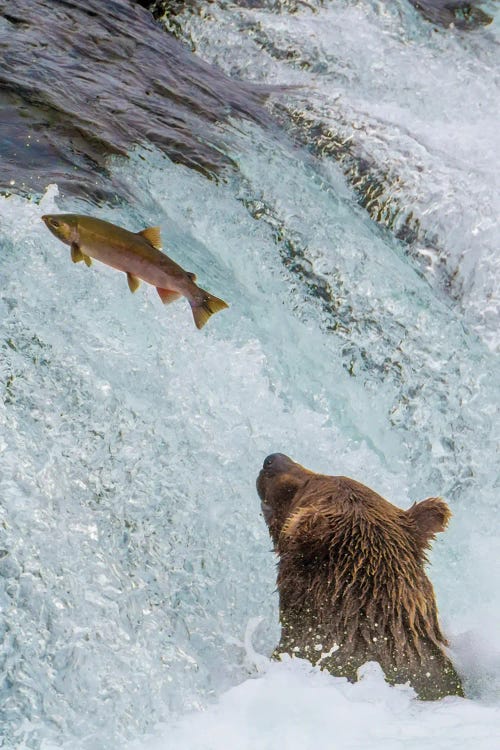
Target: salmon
138,255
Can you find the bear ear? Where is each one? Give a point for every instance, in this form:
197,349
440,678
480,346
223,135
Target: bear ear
429,517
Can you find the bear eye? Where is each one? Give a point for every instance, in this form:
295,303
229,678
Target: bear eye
268,462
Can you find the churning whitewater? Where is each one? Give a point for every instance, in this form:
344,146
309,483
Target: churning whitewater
355,246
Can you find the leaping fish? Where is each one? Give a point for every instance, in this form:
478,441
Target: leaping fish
138,255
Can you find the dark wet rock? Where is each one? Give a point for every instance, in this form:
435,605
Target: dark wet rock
455,13
160,8
167,11
461,14
83,79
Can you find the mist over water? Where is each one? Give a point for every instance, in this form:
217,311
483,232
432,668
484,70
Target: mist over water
137,581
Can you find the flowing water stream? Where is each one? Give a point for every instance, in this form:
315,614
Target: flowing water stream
356,242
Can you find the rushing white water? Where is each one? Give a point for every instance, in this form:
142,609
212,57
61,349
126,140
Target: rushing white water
303,709
418,106
134,559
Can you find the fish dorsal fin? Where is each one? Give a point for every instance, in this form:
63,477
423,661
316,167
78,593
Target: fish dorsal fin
153,236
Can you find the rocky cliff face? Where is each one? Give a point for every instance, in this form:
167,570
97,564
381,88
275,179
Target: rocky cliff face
82,80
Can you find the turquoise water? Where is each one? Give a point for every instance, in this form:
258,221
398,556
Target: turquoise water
137,579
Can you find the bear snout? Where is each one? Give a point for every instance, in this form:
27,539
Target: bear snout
261,485
267,511
276,463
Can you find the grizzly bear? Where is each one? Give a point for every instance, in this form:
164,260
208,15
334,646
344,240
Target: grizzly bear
351,579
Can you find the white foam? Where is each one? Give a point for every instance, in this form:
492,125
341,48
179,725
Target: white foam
298,707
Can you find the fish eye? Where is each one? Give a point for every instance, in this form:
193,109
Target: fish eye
54,223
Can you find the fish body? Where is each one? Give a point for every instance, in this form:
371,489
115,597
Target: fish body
136,254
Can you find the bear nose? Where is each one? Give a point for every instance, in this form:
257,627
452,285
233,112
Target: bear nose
274,460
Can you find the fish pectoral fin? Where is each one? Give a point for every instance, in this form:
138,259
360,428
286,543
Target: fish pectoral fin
167,295
133,282
76,253
191,275
77,256
153,236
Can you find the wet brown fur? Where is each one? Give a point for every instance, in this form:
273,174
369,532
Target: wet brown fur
351,577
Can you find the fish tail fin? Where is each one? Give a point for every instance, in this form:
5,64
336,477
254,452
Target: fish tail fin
206,306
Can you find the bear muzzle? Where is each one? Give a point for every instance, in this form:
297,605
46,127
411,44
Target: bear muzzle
267,511
276,463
